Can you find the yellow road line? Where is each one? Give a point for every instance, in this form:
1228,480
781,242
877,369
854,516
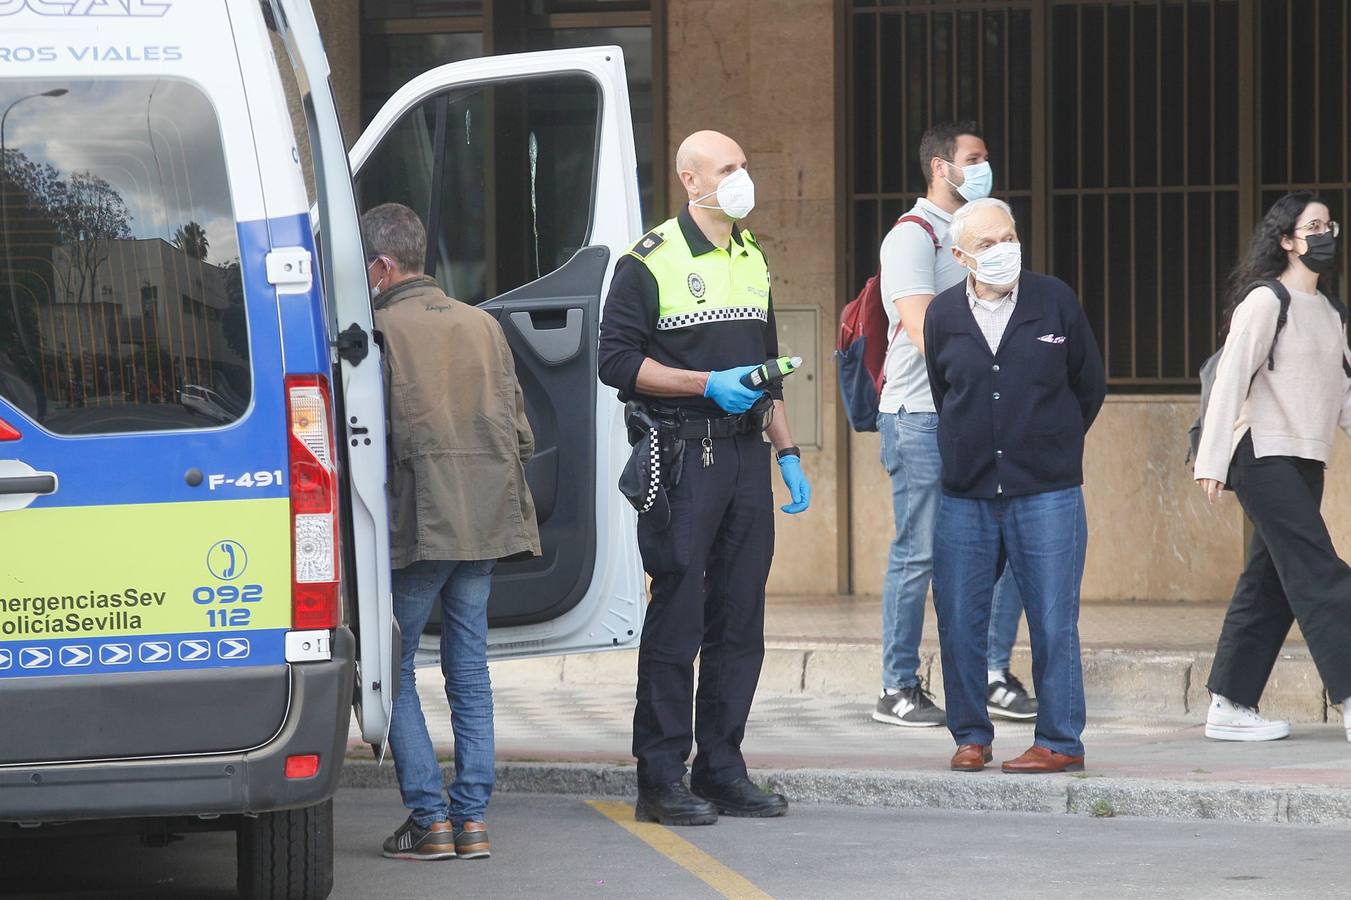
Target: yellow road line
725,881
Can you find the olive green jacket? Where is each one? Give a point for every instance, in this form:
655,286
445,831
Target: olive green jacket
459,439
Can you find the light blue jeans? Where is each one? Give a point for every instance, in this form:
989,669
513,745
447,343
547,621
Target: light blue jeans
462,589
910,456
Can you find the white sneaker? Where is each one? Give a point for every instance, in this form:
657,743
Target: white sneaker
1346,716
1227,721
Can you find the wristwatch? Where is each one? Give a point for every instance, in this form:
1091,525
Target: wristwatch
789,451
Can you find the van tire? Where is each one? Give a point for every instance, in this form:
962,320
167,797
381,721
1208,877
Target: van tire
286,855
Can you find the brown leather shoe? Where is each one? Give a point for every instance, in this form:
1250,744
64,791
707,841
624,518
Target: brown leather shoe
971,757
1041,761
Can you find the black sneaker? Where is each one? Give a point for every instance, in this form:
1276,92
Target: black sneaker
1008,699
412,841
912,707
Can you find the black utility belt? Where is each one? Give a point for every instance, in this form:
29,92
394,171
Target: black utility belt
658,435
692,428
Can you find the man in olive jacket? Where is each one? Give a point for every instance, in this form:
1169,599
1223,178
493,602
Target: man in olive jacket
458,445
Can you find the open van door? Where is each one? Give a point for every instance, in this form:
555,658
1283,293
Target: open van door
523,169
361,400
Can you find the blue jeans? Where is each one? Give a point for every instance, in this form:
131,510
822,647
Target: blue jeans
1044,538
462,589
1005,612
910,456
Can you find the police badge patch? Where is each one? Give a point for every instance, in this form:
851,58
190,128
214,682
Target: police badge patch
696,285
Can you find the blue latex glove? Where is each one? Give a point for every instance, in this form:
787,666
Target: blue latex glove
725,389
798,485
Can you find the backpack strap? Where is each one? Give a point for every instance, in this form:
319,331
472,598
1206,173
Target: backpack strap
938,248
922,223
1282,317
1283,295
1341,312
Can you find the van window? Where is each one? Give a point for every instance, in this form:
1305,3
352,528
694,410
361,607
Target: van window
502,174
121,297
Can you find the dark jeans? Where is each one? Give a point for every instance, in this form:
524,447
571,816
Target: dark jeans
708,568
1043,537
1293,573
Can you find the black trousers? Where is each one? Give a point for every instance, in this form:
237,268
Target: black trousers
708,568
1293,574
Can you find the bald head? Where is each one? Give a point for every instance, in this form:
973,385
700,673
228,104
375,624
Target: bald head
703,148
704,159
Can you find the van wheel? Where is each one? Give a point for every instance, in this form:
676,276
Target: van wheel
286,855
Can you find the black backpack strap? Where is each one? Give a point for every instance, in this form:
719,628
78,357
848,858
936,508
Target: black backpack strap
1282,295
1341,312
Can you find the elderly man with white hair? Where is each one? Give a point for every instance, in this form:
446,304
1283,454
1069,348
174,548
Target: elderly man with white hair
1017,380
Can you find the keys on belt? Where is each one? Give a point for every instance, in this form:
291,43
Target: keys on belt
706,429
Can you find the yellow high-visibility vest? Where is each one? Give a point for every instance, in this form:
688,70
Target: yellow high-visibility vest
716,286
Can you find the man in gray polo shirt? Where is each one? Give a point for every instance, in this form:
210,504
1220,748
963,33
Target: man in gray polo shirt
913,269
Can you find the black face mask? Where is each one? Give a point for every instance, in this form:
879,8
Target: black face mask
1320,254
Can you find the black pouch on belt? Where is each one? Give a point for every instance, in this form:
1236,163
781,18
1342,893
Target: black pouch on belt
653,467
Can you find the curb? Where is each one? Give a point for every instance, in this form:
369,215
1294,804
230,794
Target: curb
1087,796
1165,683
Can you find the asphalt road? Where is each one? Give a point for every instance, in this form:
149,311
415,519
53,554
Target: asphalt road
557,847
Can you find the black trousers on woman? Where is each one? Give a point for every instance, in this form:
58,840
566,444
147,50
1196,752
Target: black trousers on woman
1293,574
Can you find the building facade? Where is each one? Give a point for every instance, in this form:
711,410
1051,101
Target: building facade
1138,142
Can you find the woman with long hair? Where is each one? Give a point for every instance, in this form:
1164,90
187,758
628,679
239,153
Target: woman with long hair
1274,408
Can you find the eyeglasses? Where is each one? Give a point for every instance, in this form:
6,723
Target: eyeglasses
1318,226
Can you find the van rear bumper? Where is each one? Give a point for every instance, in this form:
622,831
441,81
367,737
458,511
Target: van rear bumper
222,784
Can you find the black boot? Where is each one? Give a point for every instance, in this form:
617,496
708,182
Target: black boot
672,804
744,799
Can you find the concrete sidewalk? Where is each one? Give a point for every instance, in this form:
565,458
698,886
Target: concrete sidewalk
561,735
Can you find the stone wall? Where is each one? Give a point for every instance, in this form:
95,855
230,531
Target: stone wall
340,24
763,72
1152,535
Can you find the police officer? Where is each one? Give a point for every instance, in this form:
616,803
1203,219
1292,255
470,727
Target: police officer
688,315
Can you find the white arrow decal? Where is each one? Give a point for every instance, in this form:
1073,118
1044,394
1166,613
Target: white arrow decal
115,654
6,659
156,652
232,648
190,651
76,656
35,657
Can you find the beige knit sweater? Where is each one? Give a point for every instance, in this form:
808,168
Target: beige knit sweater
1292,410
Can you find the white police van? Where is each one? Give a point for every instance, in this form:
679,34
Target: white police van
194,568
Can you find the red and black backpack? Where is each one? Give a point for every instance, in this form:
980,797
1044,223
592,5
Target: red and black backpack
861,350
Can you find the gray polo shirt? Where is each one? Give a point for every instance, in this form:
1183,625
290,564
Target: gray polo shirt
910,266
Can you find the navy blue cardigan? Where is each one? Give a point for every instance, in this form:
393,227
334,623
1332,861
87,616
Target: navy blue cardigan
1015,418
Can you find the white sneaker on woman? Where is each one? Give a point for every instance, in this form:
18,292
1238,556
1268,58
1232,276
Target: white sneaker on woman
1227,721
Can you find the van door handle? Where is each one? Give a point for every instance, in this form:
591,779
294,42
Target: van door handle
554,335
28,484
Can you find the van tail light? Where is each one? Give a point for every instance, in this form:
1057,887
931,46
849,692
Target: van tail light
303,765
8,432
314,503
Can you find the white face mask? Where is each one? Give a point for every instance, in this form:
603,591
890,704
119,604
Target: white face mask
376,289
998,266
735,193
977,181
